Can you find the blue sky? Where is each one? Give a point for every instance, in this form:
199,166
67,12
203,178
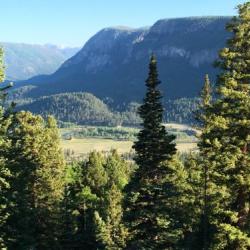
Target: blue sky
73,22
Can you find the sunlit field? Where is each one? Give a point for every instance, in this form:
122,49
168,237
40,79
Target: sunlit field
81,143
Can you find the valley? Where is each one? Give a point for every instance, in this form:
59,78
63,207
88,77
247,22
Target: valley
138,140
99,86
78,141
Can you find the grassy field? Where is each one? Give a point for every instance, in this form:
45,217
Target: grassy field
78,145
86,145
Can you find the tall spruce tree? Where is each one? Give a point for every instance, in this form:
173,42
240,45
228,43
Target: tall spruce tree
205,165
227,139
147,193
154,145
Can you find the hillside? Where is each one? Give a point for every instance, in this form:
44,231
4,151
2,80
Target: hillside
27,60
85,108
113,63
82,108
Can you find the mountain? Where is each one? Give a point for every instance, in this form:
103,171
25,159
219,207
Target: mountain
24,61
113,63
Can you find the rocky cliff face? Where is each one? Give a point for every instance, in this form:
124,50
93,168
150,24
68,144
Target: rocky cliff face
99,51
113,63
196,40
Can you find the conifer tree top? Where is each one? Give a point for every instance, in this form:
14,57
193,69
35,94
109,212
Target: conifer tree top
154,145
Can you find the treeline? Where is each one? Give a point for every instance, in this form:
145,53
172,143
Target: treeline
81,108
155,202
181,110
115,133
85,108
48,205
119,133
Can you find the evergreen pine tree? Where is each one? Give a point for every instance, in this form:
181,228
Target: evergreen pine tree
154,145
147,193
84,197
77,208
36,184
5,118
191,210
118,170
203,117
67,223
92,209
94,181
226,144
110,230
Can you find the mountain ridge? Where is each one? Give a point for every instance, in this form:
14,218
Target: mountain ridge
23,60
113,63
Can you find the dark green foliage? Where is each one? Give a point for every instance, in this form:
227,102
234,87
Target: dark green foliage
5,174
192,197
204,167
181,110
36,165
154,145
82,108
85,108
167,201
110,232
205,108
18,94
225,143
92,205
149,193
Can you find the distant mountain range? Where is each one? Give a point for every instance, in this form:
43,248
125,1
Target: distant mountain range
24,61
114,63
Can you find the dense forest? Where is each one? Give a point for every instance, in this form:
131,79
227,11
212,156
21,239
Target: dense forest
84,108
161,199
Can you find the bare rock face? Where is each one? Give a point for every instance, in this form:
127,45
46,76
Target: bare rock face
99,51
161,38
